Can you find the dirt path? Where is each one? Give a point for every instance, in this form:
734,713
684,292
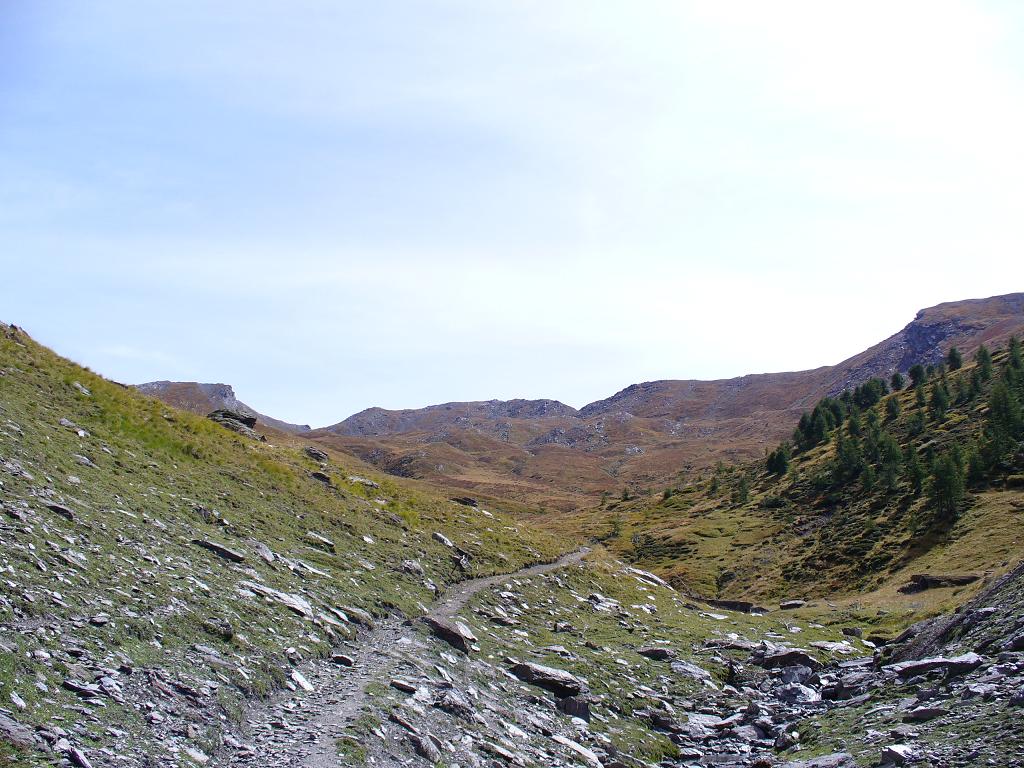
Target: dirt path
300,730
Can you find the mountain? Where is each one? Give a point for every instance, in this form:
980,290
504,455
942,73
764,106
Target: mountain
177,594
544,452
205,398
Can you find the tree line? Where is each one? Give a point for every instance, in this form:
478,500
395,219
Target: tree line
862,424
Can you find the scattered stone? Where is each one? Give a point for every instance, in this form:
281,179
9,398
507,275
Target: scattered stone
294,603
789,657
790,605
575,706
236,421
321,477
899,754
315,454
456,634
956,665
403,685
321,541
425,747
923,714
559,682
648,577
363,481
299,679
15,733
61,510
357,616
579,749
413,567
220,550
658,653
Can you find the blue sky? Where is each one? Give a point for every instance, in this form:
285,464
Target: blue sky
333,205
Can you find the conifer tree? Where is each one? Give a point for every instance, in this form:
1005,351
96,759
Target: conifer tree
892,408
853,426
946,489
891,460
919,397
984,360
954,359
1004,423
1015,358
912,470
939,402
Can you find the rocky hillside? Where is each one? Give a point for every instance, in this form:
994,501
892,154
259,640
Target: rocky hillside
158,570
174,593
646,434
205,398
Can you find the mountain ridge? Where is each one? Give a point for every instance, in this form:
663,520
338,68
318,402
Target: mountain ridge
544,451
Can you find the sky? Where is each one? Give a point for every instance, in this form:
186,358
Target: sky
333,205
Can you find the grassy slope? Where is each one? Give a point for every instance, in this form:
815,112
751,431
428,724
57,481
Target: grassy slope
160,479
794,537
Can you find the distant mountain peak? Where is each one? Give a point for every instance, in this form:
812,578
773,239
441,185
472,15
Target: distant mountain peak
203,398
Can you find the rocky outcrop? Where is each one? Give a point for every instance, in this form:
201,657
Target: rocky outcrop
202,398
237,421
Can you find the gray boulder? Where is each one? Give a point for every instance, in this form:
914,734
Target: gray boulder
456,634
561,683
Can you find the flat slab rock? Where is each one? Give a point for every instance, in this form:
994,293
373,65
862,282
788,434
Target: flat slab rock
220,550
15,733
579,749
957,665
456,634
292,602
558,681
788,657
